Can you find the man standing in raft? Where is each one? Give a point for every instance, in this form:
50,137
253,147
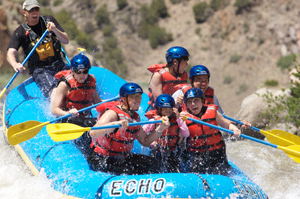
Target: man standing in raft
167,77
46,60
112,147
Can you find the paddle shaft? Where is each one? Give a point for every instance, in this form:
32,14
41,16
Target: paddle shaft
84,109
24,62
129,124
83,129
231,132
287,150
260,131
66,56
240,123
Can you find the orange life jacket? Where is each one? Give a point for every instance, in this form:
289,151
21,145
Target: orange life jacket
81,94
118,142
168,81
203,138
169,138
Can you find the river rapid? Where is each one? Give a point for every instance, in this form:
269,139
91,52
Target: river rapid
271,169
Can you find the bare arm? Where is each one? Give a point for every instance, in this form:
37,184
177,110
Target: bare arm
156,85
110,117
61,92
62,36
227,124
96,98
147,139
11,58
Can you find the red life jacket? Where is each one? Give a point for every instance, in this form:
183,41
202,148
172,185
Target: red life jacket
209,96
184,88
169,138
168,81
81,94
118,142
203,138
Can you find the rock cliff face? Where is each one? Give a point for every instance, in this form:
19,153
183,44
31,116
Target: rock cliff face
240,50
4,35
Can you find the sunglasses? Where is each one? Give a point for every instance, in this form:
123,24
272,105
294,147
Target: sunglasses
79,71
34,9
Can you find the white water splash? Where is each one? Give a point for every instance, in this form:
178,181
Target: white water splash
271,169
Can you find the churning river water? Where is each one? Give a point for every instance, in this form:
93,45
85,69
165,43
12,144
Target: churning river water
271,169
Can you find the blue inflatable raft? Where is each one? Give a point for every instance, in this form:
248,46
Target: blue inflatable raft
69,171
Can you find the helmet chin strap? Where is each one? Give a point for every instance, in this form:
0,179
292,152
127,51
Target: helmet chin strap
128,106
177,72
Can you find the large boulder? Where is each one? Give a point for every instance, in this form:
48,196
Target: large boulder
253,106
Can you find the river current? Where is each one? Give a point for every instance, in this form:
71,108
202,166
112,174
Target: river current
271,169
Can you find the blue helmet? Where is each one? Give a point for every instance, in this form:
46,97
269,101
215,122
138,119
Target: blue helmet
198,70
176,52
80,62
165,101
192,93
130,88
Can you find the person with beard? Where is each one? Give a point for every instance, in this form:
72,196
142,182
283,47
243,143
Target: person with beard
46,60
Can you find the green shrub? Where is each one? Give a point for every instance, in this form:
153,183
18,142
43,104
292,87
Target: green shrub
234,58
271,82
242,88
143,30
57,2
87,3
285,61
65,19
160,8
199,12
227,79
148,28
47,11
110,43
112,57
89,27
289,104
86,41
243,5
102,16
218,4
149,15
122,4
108,30
175,1
246,27
44,2
197,31
158,36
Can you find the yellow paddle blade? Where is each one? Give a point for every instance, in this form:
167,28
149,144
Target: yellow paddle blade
65,131
292,151
24,131
282,138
